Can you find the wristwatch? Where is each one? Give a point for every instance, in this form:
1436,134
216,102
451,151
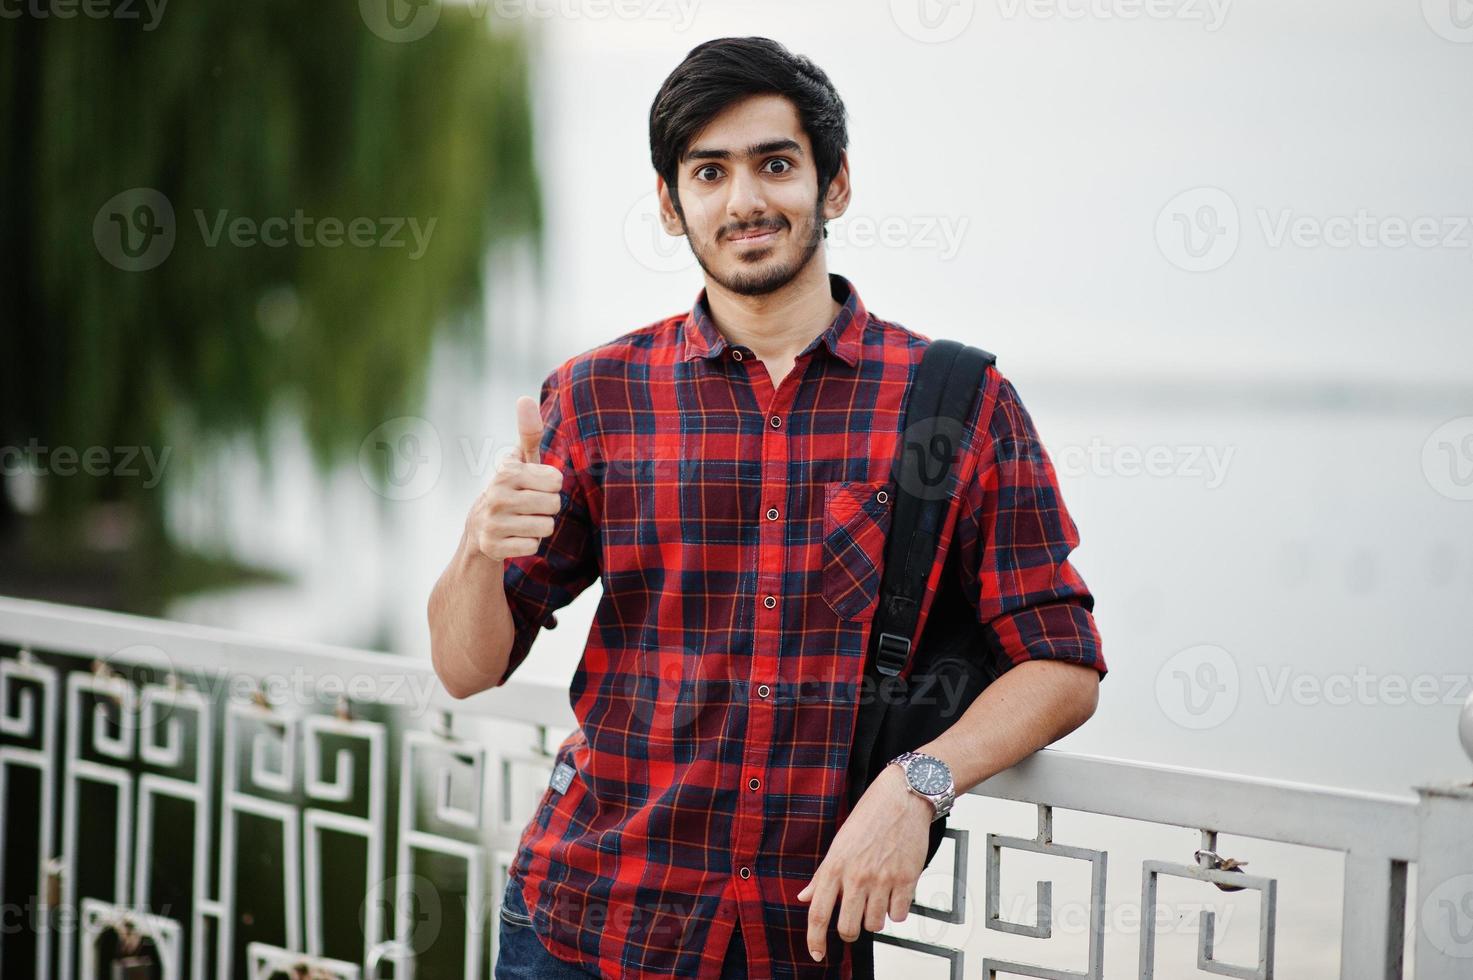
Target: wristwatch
928,777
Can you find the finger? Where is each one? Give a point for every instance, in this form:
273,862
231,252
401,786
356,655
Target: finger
851,914
525,526
802,896
529,429
519,547
535,502
900,900
532,476
874,909
819,913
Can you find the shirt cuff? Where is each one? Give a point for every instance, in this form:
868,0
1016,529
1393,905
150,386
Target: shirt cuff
1060,630
525,627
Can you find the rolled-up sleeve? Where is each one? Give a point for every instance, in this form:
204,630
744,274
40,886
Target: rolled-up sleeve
1014,536
566,561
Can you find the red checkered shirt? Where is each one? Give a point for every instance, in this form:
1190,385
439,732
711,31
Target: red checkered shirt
738,531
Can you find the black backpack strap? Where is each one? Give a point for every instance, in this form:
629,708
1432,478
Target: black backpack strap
938,406
945,387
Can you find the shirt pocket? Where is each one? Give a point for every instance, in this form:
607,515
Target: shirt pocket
856,519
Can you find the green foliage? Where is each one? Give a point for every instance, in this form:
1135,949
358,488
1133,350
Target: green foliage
258,110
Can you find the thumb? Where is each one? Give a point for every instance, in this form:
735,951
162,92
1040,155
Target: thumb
529,429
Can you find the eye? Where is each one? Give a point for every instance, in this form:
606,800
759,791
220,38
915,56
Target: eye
786,166
708,168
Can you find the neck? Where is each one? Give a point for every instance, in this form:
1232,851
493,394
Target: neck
777,325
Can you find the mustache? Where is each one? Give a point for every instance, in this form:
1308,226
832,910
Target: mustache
749,229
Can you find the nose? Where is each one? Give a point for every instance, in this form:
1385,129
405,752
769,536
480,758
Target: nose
745,203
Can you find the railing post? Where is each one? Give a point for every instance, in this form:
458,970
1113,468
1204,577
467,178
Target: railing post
1444,906
1374,918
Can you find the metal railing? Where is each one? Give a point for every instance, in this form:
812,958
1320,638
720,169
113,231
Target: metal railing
206,803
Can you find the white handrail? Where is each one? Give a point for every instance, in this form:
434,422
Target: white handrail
1379,834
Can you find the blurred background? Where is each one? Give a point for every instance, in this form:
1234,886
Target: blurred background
274,275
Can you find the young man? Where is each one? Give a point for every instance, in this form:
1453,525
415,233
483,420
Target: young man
726,473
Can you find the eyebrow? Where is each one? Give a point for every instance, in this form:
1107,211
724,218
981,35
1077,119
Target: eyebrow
755,150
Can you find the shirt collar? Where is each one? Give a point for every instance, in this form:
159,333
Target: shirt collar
843,337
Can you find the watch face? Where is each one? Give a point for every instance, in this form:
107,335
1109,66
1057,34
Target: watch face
929,777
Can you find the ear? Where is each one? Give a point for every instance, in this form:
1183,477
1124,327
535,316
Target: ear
836,200
669,220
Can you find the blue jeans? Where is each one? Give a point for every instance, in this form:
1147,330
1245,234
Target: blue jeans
521,955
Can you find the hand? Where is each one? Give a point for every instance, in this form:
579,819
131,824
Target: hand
873,862
516,509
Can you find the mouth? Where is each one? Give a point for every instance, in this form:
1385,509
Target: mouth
755,237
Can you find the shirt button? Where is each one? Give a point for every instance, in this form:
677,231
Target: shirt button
882,496
763,690
770,601
753,783
745,872
772,513
736,355
775,421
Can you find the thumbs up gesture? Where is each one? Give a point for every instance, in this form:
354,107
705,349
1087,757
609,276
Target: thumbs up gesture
529,430
517,508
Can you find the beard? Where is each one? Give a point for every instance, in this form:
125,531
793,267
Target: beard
765,278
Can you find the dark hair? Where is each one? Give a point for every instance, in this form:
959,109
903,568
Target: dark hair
724,70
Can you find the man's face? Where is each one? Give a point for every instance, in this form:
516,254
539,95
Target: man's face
748,188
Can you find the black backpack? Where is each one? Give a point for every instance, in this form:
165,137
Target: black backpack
953,662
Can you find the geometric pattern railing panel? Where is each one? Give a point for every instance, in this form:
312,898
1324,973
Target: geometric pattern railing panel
204,833
158,817
1043,843
1225,875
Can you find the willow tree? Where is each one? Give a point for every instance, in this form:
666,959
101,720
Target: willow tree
263,127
